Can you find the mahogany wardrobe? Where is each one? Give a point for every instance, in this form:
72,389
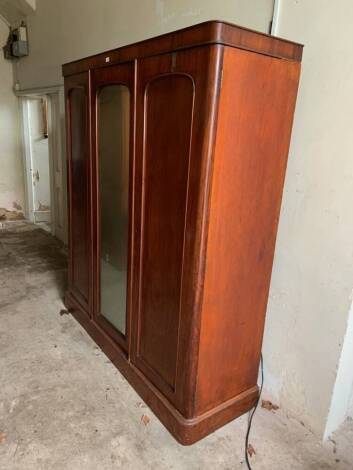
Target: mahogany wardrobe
177,151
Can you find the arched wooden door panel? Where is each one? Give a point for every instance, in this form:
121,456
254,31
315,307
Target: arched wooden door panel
171,163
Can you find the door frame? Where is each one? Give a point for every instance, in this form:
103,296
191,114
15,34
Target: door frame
27,163
55,97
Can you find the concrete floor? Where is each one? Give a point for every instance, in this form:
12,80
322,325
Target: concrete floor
63,406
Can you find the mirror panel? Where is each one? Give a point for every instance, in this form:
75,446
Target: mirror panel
113,155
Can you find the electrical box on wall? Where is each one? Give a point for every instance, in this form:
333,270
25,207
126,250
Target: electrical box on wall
17,43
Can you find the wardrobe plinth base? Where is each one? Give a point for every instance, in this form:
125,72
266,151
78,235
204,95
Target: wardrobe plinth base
185,431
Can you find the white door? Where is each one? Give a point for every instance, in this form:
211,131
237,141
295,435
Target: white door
44,160
39,159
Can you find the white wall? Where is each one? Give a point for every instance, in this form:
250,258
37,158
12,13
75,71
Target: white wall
11,168
341,396
65,30
350,408
313,271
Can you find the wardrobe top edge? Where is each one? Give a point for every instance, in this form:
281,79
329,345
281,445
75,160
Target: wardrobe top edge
206,33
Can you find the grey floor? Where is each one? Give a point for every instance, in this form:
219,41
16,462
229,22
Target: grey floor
63,405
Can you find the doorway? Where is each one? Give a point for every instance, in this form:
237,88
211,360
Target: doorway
39,160
44,164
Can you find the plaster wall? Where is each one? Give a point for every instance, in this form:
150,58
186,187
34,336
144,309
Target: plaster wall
340,407
65,30
11,166
313,271
350,409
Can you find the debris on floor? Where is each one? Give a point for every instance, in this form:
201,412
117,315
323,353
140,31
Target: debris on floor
5,214
64,311
145,420
141,404
268,405
251,450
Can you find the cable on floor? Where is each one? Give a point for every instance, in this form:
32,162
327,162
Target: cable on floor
252,414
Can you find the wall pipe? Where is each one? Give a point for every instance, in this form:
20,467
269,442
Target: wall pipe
275,17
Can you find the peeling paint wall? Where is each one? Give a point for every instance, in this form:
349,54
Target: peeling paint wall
11,166
313,271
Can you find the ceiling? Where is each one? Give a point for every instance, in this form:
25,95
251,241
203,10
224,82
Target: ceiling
12,11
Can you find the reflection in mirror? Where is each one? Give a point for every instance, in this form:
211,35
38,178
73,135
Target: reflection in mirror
113,155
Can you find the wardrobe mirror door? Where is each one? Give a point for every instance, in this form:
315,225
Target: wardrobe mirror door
113,156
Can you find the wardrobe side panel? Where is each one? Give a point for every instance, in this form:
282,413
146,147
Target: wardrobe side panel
255,116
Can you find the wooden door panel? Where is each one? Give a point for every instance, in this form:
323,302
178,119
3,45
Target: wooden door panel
76,89
175,98
165,184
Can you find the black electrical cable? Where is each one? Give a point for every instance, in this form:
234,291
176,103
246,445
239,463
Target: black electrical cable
252,414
